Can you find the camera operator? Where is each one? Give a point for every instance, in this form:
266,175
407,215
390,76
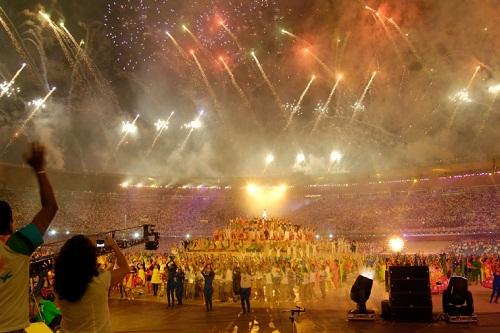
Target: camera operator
82,290
16,248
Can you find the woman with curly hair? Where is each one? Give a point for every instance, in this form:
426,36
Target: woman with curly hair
82,290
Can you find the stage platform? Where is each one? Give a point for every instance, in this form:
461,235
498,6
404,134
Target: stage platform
148,314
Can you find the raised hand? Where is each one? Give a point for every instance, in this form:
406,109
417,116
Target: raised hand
110,242
36,157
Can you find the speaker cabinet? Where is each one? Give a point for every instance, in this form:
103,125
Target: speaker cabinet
409,294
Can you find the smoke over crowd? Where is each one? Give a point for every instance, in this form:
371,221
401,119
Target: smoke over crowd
432,98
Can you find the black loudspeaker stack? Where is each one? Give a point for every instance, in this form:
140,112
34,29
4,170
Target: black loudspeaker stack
409,294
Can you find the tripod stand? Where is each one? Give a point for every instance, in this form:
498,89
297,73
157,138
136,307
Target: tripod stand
292,318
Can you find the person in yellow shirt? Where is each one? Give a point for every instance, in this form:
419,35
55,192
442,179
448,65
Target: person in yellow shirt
17,247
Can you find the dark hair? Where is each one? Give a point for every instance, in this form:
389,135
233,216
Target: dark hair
5,218
76,266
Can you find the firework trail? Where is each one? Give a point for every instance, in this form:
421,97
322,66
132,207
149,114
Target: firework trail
18,44
21,128
473,77
296,107
283,31
161,126
125,133
12,81
81,54
38,43
198,42
232,35
324,109
177,46
378,18
359,103
13,39
191,129
320,62
70,37
207,83
495,90
277,99
405,37
463,96
235,84
58,33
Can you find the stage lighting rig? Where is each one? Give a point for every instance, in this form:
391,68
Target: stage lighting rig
360,293
458,305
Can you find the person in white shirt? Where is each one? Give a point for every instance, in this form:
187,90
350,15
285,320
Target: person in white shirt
246,290
81,290
17,247
228,283
191,279
259,284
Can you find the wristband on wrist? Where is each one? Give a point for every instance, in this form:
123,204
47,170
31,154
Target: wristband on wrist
41,172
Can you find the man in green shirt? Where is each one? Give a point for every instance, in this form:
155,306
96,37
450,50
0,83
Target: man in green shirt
49,313
17,247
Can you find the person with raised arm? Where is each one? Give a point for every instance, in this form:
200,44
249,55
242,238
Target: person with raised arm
208,290
81,290
17,247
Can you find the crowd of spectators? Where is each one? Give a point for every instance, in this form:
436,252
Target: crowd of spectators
477,246
435,212
202,214
93,212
